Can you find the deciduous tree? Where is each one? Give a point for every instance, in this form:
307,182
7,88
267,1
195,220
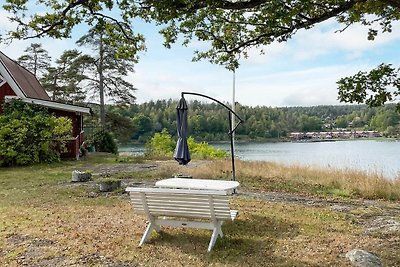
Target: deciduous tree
231,27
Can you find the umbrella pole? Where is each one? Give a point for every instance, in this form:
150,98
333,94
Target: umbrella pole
232,149
232,127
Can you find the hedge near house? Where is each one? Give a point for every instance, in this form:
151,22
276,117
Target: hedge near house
29,134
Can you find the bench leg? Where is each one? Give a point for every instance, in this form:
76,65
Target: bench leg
213,239
220,230
216,232
147,233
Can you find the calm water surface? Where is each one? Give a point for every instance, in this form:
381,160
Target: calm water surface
382,157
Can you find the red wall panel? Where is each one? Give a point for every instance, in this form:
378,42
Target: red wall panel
5,89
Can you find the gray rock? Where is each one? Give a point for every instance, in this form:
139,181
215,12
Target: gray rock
362,258
78,176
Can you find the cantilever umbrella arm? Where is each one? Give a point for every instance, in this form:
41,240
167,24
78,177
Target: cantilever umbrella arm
219,102
232,128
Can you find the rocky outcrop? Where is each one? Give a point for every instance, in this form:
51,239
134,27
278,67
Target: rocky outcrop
385,225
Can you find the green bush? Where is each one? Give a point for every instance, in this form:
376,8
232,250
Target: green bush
162,145
103,141
203,150
29,134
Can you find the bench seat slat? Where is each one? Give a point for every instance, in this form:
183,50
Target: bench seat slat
175,191
218,213
188,202
181,207
173,198
200,215
183,203
179,197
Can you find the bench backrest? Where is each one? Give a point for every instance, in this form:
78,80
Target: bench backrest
180,203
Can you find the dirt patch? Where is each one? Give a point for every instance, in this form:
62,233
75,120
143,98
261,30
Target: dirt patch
96,259
35,253
16,239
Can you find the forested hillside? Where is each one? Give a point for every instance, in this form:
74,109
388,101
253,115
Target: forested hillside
209,122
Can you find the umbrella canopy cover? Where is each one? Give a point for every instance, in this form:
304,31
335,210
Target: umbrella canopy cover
182,154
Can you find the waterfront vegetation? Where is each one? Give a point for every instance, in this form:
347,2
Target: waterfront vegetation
46,220
162,146
262,176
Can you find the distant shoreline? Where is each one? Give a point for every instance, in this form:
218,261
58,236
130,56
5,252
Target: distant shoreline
275,140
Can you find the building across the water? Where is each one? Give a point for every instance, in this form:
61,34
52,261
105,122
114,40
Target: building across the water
333,135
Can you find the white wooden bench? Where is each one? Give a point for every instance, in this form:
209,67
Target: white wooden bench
182,208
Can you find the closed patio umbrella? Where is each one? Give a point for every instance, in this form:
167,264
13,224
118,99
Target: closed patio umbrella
182,154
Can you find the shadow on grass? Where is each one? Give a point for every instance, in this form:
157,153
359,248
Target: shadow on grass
249,241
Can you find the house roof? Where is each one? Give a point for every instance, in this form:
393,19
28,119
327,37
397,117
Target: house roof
27,87
22,78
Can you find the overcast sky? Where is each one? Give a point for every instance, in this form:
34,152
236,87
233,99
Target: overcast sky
300,72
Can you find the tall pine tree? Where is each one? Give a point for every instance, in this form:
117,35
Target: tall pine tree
36,59
108,70
65,81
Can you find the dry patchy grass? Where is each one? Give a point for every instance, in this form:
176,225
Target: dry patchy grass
108,233
46,222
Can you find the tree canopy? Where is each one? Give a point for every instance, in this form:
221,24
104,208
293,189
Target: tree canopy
231,27
64,81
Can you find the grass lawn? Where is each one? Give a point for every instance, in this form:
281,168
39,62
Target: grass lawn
47,221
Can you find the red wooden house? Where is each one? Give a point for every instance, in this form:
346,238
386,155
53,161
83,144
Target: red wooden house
16,82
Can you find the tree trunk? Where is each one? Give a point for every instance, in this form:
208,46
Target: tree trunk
35,57
101,84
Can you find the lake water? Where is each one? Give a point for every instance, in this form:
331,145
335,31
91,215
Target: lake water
382,157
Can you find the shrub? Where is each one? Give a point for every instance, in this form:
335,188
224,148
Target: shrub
160,145
29,134
103,141
203,150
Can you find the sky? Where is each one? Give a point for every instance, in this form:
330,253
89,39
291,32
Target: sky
300,72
